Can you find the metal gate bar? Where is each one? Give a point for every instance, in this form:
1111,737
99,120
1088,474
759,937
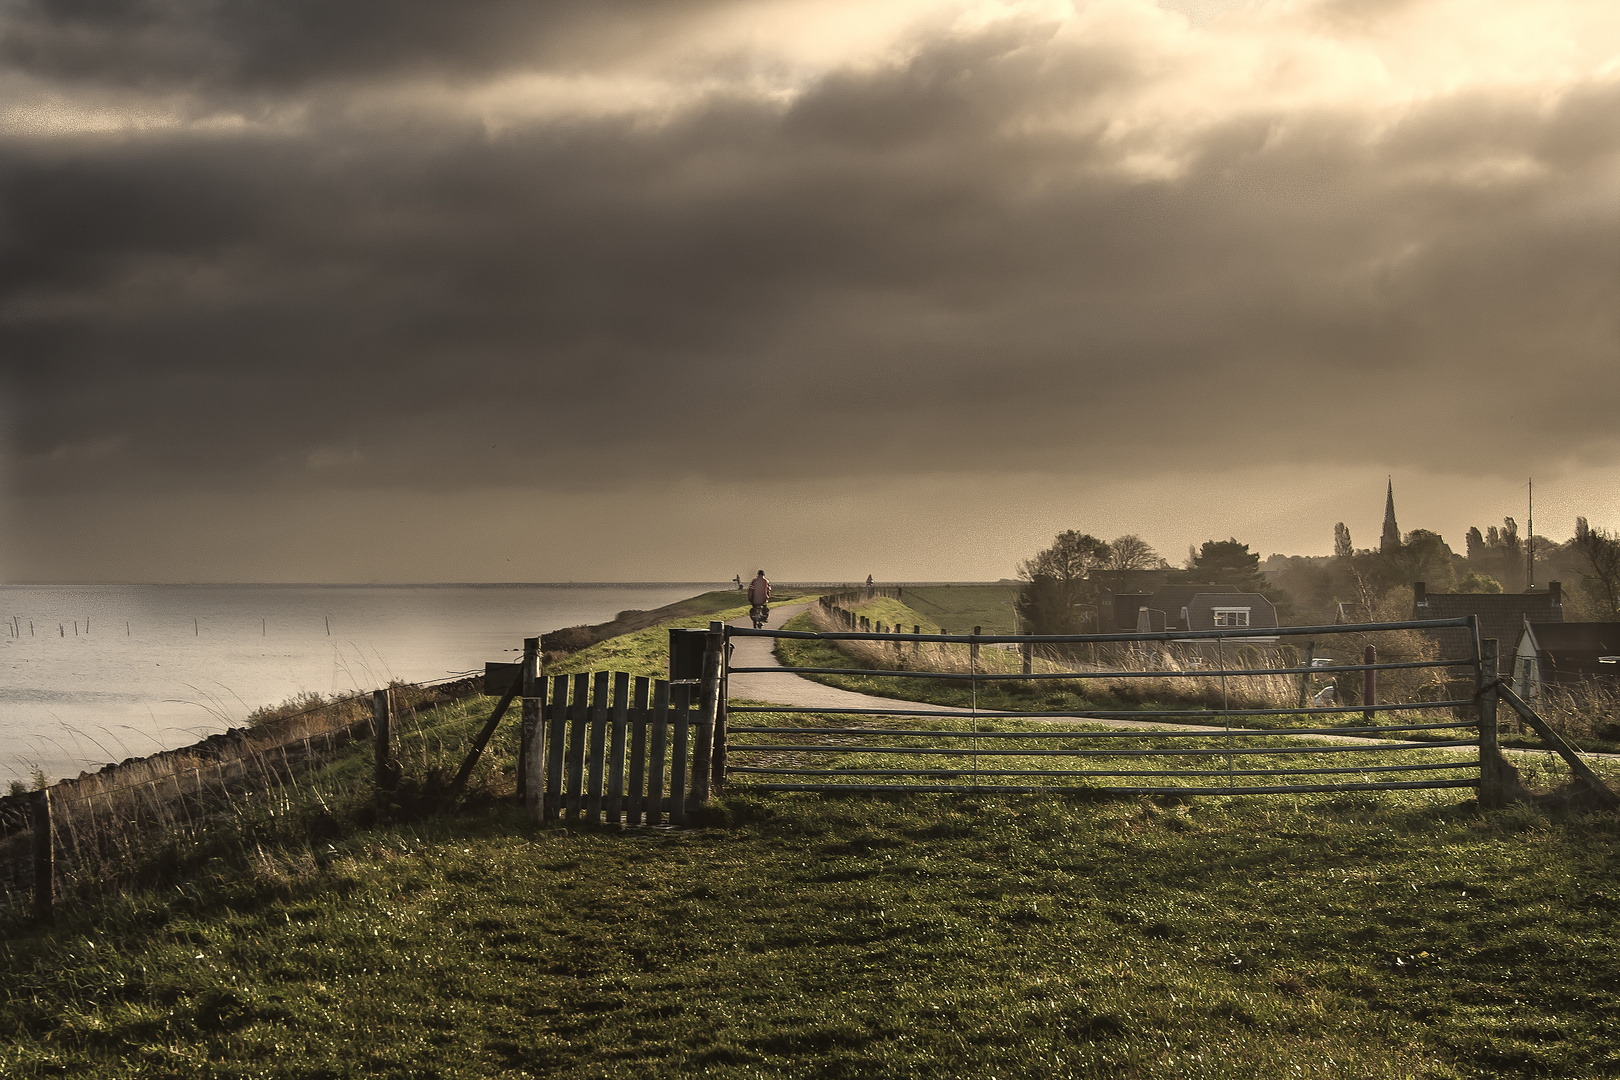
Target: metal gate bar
993,744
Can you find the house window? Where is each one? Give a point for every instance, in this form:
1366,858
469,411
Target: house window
1232,616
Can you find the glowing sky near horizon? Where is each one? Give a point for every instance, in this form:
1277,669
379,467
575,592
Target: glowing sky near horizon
666,290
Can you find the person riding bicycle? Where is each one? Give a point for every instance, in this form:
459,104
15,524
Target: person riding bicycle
759,595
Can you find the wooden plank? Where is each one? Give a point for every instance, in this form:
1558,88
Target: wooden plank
531,758
599,719
614,807
460,782
681,720
578,712
1578,768
1492,791
497,677
635,806
708,706
659,722
556,727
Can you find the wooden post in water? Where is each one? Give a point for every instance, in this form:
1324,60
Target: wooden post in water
1491,793
532,754
382,716
1369,684
44,856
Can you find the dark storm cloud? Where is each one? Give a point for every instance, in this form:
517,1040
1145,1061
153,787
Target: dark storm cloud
955,260
251,45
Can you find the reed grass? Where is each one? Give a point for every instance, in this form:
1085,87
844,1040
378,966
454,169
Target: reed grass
299,773
1203,686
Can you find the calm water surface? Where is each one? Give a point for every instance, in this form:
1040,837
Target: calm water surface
91,674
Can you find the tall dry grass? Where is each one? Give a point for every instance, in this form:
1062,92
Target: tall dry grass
1199,680
1584,712
228,792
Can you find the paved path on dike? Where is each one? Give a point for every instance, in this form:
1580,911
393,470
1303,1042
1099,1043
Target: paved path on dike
783,687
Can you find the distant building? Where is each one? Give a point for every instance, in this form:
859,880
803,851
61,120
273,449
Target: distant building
1171,600
1391,540
1230,611
1194,607
1561,653
1501,616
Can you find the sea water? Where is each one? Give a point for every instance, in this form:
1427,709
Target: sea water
93,674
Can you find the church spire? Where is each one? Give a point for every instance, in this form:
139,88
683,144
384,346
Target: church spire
1391,540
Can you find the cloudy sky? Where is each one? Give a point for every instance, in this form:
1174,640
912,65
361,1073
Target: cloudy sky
399,290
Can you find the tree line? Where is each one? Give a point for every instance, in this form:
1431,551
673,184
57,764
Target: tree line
1065,583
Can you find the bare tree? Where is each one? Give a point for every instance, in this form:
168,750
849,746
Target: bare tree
1601,550
1131,552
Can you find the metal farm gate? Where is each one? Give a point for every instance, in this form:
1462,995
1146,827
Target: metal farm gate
1178,750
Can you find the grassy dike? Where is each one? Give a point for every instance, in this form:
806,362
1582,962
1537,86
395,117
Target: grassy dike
1392,935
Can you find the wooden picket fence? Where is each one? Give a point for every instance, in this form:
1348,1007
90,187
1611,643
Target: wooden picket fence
608,749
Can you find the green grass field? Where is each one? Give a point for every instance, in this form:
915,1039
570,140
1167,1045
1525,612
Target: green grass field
959,608
1348,936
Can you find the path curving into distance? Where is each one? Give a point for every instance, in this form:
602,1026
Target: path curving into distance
783,687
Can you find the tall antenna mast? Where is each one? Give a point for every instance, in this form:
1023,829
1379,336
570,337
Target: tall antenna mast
1530,541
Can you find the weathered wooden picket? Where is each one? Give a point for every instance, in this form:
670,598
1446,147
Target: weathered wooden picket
610,749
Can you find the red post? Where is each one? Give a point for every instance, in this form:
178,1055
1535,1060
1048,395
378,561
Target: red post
1369,686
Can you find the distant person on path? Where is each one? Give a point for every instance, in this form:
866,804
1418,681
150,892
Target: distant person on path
868,581
759,590
759,595
738,579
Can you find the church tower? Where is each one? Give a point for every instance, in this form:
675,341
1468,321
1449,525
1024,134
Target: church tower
1391,540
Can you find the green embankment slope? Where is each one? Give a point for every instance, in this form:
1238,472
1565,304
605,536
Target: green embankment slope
959,608
1387,935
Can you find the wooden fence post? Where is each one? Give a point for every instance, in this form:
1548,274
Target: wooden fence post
382,717
1028,649
1491,793
1305,676
1369,683
710,719
44,855
531,753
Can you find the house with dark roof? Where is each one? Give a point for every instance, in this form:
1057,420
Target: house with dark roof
1230,611
1171,601
1501,616
1561,653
